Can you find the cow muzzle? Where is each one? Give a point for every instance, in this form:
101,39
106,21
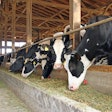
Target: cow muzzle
73,88
58,66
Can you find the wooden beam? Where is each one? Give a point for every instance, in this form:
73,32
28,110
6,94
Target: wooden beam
29,21
43,18
51,17
50,4
75,19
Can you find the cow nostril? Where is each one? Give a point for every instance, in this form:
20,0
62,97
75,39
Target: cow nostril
58,66
72,88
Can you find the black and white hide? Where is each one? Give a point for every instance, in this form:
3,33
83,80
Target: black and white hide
39,59
96,42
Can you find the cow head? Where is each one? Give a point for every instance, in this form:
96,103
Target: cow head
58,49
17,65
31,64
29,67
76,67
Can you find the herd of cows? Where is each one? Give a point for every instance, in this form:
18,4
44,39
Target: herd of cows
94,48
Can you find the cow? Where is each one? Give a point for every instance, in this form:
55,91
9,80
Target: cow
22,57
40,58
96,42
61,46
19,62
1,59
82,32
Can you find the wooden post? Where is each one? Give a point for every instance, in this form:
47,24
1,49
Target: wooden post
29,21
75,19
5,33
6,22
13,24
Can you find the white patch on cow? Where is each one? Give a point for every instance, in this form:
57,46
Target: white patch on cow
86,50
12,60
88,40
37,55
103,61
43,62
86,62
97,44
58,48
25,75
72,80
82,32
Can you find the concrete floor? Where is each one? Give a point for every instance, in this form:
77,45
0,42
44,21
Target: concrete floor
9,102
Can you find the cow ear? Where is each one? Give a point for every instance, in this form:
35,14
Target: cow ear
76,55
65,39
52,42
46,48
67,28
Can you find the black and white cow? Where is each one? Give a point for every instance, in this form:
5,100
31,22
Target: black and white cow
82,32
96,42
22,57
61,46
40,58
30,60
17,65
1,59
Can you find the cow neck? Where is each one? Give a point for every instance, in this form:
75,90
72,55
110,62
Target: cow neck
84,59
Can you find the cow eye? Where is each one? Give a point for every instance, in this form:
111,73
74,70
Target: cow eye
76,55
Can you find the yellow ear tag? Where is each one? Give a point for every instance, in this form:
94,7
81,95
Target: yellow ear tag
34,63
64,62
46,49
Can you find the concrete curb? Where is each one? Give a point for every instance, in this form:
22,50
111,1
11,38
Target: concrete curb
40,101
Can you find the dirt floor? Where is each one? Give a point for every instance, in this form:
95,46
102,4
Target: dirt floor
9,102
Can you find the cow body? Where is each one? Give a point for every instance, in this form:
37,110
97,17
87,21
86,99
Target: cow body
97,41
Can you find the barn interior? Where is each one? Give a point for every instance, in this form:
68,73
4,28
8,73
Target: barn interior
24,21
30,20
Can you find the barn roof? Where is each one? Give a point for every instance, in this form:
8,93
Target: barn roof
48,16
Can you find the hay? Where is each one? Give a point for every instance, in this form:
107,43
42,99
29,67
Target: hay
86,94
102,68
